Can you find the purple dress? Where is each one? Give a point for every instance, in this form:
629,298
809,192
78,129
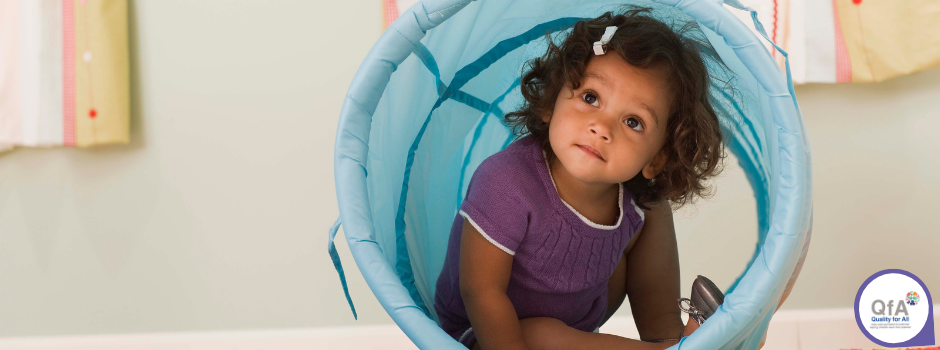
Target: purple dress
561,260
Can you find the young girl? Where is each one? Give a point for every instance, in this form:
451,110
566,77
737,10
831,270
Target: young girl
559,227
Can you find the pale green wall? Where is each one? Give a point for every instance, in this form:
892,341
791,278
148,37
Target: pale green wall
215,216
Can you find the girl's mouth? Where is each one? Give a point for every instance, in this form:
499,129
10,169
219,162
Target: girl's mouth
590,150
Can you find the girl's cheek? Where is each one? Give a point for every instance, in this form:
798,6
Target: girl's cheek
580,110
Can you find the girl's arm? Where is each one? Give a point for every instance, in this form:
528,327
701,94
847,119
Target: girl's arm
484,276
653,276
617,285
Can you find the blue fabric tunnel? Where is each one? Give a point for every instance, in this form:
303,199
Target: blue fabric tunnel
426,107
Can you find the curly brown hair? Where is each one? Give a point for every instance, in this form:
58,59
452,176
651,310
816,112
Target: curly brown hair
694,149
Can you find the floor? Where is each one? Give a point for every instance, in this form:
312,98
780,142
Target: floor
825,329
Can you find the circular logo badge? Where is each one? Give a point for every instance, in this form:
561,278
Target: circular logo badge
889,312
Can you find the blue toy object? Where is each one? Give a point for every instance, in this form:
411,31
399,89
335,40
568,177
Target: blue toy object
426,107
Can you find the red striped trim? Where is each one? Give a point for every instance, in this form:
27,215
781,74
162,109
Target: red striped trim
68,72
391,12
773,31
843,62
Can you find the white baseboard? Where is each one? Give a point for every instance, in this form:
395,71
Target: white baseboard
817,329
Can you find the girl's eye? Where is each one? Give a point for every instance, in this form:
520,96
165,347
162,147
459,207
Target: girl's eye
590,98
634,124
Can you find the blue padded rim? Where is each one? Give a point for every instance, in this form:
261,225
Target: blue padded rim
743,315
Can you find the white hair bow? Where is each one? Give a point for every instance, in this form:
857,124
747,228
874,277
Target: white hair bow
599,48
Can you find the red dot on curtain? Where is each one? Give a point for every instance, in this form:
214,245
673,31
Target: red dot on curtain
857,2
92,113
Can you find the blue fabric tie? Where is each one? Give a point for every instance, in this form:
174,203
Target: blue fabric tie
338,265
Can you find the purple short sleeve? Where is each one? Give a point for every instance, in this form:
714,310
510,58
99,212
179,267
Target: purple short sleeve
496,204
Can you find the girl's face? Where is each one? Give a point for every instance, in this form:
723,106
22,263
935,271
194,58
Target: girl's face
614,125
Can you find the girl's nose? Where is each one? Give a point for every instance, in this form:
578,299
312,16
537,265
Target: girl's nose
600,130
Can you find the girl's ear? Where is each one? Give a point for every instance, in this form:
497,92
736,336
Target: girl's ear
655,166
